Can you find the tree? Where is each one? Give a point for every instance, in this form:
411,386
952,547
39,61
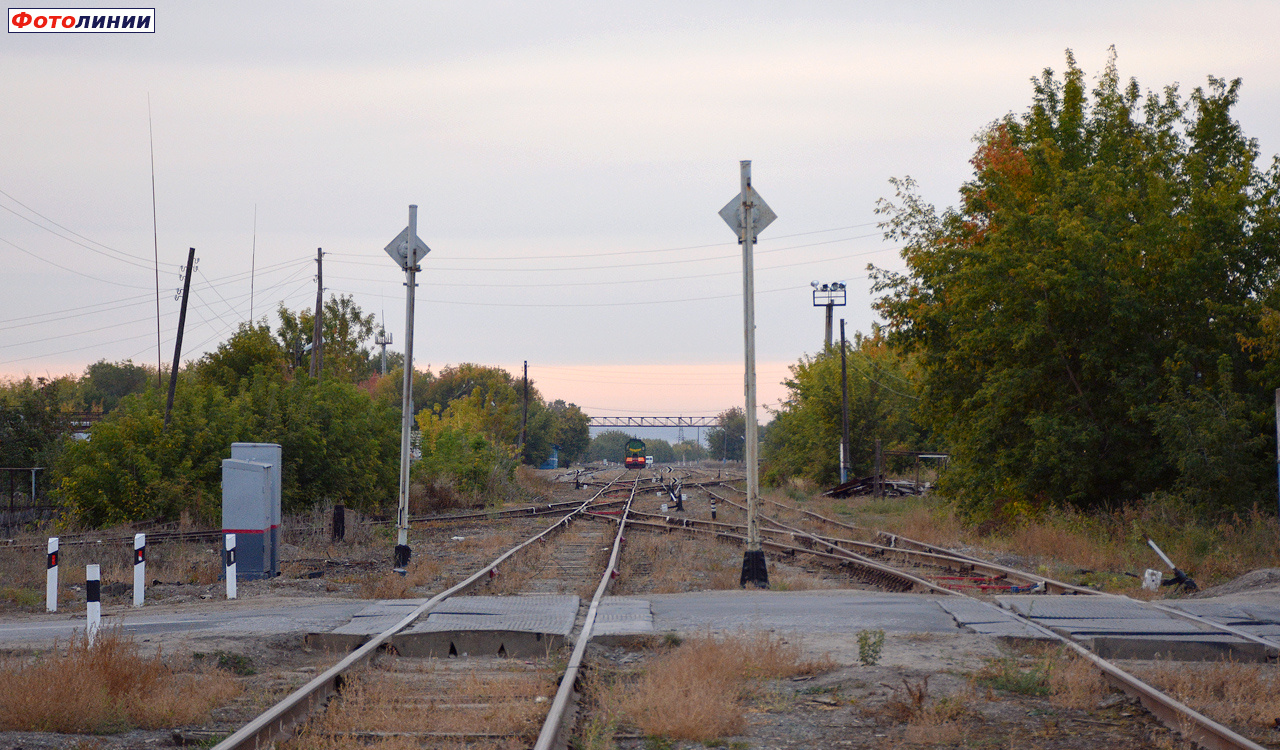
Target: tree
389,389
609,446
345,329
33,426
105,383
336,442
727,439
1102,236
250,351
804,438
689,450
660,450
572,431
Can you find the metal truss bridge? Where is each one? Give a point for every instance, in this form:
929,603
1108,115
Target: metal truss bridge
654,421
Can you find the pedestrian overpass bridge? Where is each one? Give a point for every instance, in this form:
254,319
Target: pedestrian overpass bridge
712,421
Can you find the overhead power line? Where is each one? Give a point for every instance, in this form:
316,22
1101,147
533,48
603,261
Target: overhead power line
611,266
644,252
120,255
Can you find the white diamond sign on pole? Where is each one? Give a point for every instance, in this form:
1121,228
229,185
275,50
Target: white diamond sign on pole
406,250
747,215
398,249
761,215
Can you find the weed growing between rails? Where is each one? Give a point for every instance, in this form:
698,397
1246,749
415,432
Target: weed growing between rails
113,689
697,690
428,696
658,562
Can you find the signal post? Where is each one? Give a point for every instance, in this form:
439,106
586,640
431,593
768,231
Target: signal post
748,215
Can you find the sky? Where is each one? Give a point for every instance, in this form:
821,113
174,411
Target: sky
568,160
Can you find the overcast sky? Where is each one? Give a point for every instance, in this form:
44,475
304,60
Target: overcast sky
568,160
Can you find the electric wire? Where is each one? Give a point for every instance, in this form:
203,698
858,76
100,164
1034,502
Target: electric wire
224,299
645,264
131,302
624,282
585,304
71,270
655,250
146,262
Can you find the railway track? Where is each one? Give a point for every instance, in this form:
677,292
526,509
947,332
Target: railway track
902,564
377,693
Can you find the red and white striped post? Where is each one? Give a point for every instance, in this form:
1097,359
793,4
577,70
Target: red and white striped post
93,596
51,577
230,556
139,569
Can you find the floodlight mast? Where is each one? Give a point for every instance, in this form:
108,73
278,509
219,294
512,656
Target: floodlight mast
830,296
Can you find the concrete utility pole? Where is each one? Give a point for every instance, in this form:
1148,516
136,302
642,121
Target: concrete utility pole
844,412
406,249
748,214
317,328
177,345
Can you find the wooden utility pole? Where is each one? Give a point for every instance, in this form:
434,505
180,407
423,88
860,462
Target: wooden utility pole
177,345
878,483
317,328
524,410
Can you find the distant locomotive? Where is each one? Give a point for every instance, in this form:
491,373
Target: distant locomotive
633,454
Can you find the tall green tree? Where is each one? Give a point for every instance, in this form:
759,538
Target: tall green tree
105,383
571,429
345,329
727,440
251,350
804,437
1104,235
337,443
33,425
608,445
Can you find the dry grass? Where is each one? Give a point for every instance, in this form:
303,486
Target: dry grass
1076,683
940,722
1062,542
105,688
385,584
666,563
389,701
697,691
1230,692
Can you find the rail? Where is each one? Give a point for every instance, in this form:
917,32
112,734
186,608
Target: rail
554,724
1181,718
279,720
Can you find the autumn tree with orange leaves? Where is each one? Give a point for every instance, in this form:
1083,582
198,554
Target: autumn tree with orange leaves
1096,321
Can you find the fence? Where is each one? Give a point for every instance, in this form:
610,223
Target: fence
22,500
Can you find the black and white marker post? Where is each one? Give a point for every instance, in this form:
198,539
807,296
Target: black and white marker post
139,569
93,600
747,215
51,577
229,561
